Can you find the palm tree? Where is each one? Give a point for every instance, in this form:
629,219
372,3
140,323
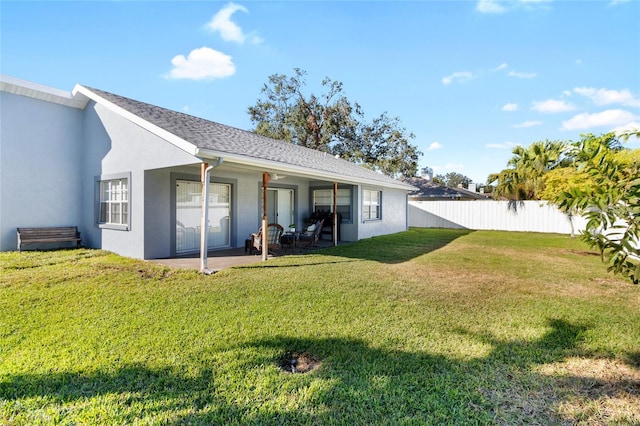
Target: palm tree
523,179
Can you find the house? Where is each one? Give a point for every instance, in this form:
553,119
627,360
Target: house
129,175
427,190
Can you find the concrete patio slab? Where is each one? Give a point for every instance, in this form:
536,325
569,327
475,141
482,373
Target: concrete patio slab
222,259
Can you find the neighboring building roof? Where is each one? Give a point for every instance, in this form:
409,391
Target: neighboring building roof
207,139
427,190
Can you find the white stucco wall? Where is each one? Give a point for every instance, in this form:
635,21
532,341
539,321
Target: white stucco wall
394,214
39,165
247,212
157,214
115,145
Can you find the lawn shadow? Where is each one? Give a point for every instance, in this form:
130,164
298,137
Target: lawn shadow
399,247
142,392
390,386
633,360
306,262
356,384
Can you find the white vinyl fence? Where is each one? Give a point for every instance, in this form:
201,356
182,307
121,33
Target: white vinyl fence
526,216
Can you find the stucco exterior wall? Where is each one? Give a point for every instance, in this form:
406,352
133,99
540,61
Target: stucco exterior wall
248,212
394,214
39,165
114,145
157,214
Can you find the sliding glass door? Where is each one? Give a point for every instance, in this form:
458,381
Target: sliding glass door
189,211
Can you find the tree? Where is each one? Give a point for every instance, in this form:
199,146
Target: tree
568,175
605,187
331,123
382,145
595,177
523,179
453,180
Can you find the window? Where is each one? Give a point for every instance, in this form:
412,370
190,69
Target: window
114,202
371,204
323,202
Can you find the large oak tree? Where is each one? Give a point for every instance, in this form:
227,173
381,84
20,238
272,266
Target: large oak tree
331,123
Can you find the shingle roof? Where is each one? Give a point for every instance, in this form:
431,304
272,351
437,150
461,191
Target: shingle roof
426,189
224,139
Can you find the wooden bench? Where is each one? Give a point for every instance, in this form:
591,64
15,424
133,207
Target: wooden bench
56,234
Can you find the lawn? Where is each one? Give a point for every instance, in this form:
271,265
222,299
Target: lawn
428,326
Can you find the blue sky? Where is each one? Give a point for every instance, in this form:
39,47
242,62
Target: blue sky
471,79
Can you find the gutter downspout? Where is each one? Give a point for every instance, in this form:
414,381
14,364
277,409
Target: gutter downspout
406,212
205,176
265,243
335,223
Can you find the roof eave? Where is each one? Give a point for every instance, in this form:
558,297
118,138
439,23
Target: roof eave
186,146
41,92
269,165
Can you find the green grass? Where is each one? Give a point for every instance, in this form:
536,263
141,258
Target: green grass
422,327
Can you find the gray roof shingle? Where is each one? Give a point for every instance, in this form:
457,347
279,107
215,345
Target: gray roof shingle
223,139
426,189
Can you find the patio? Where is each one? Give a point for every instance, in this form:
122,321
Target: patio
222,259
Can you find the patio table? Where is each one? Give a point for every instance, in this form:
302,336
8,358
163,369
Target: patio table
290,239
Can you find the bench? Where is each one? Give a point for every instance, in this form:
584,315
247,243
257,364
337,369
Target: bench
57,234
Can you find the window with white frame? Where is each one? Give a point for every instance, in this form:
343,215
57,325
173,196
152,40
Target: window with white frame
371,204
323,202
114,202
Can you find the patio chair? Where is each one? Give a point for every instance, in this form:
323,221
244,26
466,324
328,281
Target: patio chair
311,236
274,232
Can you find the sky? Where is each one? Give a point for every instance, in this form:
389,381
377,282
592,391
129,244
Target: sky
470,79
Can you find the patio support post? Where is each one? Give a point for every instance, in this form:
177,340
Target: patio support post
205,173
265,243
334,237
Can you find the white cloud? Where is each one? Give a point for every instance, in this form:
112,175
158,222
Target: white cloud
459,77
510,107
501,6
531,5
610,118
552,105
202,64
534,3
505,145
522,74
634,126
608,97
502,66
489,6
434,146
229,30
526,124
449,167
